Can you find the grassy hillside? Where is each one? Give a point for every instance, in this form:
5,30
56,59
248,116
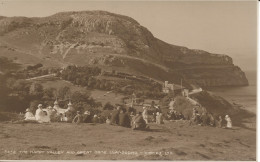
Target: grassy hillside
174,140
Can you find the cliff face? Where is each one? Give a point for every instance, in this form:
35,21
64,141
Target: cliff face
111,41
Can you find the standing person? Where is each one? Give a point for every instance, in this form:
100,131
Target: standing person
39,115
159,119
229,122
29,115
171,104
145,115
154,117
124,119
115,116
132,115
212,120
219,122
205,119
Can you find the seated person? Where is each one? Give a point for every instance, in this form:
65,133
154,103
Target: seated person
171,115
108,121
46,118
95,119
181,116
52,113
87,117
29,115
138,122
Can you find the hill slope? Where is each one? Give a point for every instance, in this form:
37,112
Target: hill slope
114,41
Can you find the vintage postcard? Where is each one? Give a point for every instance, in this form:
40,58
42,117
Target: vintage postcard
128,80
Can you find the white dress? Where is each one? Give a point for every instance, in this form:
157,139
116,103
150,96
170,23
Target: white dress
229,122
145,116
41,117
29,116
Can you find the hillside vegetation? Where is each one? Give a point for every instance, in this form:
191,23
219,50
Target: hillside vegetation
113,41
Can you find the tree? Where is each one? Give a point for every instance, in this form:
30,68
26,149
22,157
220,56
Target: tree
64,92
34,105
108,106
36,90
49,93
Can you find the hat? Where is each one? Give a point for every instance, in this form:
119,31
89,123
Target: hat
226,116
40,105
86,112
27,110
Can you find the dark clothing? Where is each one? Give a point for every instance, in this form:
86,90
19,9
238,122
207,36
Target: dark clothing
219,123
115,117
205,119
87,118
124,120
95,120
182,116
138,122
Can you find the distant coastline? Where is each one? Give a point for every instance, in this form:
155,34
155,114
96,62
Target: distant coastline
245,96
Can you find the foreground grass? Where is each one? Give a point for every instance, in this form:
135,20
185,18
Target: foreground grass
171,141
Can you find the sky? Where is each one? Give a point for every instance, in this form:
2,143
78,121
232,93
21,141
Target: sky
222,27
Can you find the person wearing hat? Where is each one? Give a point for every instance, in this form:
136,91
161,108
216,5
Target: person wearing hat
39,115
115,116
52,113
229,122
124,119
87,117
77,119
29,115
95,119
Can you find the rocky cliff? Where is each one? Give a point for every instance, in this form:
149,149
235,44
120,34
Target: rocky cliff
111,41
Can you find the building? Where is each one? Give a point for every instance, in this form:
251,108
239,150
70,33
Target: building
167,87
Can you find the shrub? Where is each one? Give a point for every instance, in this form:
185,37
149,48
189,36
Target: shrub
108,106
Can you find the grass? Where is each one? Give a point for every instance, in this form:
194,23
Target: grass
107,96
171,141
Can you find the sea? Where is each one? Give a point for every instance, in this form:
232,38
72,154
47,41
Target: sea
245,96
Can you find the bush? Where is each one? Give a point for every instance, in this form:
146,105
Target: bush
184,106
108,106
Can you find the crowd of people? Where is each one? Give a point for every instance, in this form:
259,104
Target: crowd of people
126,117
207,119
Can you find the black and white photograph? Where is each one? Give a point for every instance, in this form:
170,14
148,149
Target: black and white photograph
128,80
